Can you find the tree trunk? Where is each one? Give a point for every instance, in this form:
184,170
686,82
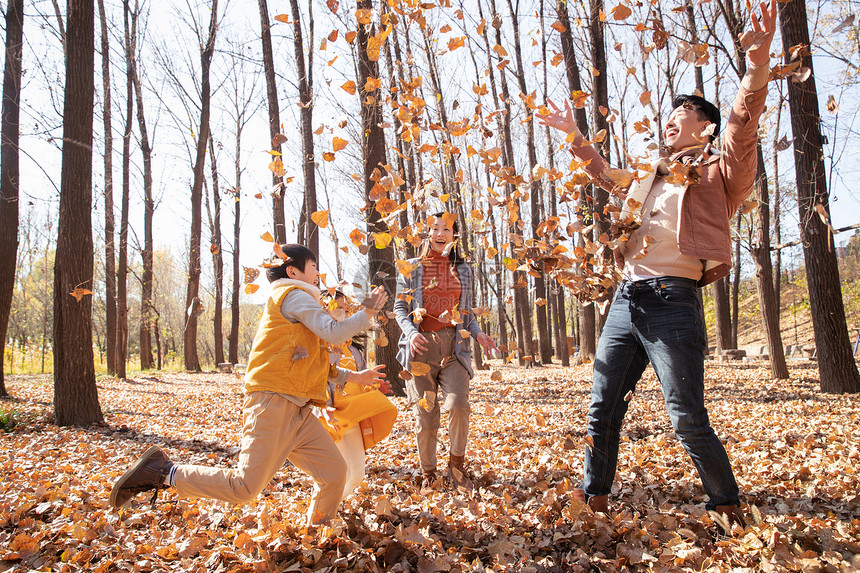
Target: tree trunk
308,233
9,169
274,121
146,305
76,400
217,255
555,294
110,225
736,282
587,327
522,309
233,351
536,191
764,276
381,261
601,108
130,30
722,316
838,371
193,305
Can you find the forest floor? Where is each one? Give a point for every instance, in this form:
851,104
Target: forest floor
793,448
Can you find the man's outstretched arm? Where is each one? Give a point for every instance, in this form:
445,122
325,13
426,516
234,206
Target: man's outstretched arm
739,156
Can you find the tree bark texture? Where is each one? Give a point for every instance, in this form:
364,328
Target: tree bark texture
838,371
110,224
536,192
130,31
193,305
76,400
587,326
381,261
310,236
764,276
278,214
9,168
217,254
146,306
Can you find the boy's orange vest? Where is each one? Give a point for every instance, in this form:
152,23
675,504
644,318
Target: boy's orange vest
287,357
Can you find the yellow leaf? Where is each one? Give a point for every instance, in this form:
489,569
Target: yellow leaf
267,236
320,218
382,240
283,18
328,155
251,289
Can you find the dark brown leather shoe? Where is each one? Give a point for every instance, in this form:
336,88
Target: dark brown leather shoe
597,503
147,474
726,515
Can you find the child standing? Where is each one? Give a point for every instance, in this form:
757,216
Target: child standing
357,417
286,376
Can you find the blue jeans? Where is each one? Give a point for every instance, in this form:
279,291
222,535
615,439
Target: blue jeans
657,321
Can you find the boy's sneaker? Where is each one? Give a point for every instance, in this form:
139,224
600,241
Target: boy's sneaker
147,474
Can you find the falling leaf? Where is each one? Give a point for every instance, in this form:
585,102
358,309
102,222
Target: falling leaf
558,27
832,106
645,98
278,139
328,156
79,293
267,236
277,167
300,353
748,206
320,218
783,144
349,87
428,401
337,143
419,368
846,23
251,289
621,12
283,18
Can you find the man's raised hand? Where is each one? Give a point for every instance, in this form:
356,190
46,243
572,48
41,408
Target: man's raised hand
757,41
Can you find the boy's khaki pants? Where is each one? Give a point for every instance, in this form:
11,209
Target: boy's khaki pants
275,430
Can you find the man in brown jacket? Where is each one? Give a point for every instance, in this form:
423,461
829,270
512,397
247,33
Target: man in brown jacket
679,215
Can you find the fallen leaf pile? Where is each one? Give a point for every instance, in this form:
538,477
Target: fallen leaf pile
794,451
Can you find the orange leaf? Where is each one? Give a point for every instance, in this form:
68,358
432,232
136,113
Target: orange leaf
337,143
372,84
267,236
277,167
251,289
363,16
457,42
349,87
79,293
283,18
328,155
320,218
332,5
621,12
